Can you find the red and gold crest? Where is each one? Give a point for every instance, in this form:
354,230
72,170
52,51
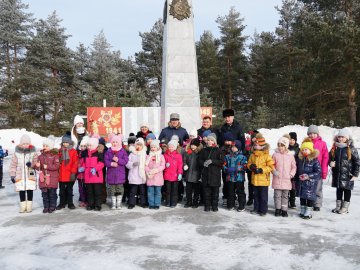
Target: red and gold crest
104,121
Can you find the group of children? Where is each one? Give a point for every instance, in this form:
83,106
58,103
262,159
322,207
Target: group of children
154,170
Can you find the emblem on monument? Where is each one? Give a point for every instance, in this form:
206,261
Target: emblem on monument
180,9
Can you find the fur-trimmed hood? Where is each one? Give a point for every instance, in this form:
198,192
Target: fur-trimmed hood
314,154
21,150
266,148
197,150
288,152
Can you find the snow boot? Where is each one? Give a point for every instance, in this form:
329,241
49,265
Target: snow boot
344,208
113,202
22,207
339,203
302,210
118,202
307,214
284,213
277,212
29,206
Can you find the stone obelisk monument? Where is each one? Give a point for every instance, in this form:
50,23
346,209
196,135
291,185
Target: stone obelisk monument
180,85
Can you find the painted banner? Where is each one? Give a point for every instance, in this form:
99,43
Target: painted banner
104,120
206,111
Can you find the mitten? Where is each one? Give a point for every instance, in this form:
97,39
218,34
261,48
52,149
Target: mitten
332,164
167,165
253,167
353,178
179,177
304,177
12,178
81,169
275,172
258,171
72,177
186,167
28,164
93,171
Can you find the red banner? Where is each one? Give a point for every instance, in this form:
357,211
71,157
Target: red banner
104,120
206,111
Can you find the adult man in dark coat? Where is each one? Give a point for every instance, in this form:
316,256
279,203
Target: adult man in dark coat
231,125
206,125
174,128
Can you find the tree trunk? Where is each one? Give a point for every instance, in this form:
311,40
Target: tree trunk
352,105
8,71
229,94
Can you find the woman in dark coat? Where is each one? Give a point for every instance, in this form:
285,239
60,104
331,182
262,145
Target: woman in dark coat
211,161
344,162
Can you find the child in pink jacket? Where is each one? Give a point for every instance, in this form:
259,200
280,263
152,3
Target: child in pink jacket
172,173
154,167
285,169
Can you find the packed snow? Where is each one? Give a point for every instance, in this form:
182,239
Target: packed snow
177,238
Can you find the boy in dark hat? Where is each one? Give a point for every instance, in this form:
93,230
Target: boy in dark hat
294,147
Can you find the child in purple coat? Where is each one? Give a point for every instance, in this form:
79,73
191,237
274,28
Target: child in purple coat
115,160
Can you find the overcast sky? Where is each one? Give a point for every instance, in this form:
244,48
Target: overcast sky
122,20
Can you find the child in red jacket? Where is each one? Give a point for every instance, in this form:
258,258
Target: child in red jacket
67,174
172,173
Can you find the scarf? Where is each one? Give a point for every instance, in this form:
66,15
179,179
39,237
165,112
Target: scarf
142,156
65,154
341,145
156,154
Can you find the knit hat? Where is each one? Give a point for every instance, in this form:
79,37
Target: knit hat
102,141
155,143
66,139
116,138
260,140
131,139
175,137
144,125
344,133
84,140
237,144
49,141
25,139
151,136
206,133
174,116
228,136
78,119
313,129
140,141
193,133
212,137
93,143
285,141
228,112
293,136
195,142
307,144
164,141
173,143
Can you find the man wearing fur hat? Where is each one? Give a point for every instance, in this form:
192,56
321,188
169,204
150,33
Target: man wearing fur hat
174,128
231,125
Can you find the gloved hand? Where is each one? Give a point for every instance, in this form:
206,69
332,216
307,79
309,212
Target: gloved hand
207,162
186,167
93,171
253,167
72,177
179,177
230,170
12,178
136,163
353,178
258,171
114,164
303,177
275,173
28,164
81,169
332,164
167,165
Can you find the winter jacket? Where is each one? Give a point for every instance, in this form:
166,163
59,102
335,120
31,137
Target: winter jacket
285,165
134,175
262,160
344,168
49,177
92,159
25,177
211,175
238,162
154,171
310,166
67,168
2,155
323,157
235,129
116,175
191,159
169,131
176,165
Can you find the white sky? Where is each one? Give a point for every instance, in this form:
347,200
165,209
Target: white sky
122,20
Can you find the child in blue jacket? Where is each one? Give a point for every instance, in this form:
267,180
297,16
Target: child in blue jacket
234,168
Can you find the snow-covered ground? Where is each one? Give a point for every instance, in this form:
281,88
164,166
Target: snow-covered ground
177,238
